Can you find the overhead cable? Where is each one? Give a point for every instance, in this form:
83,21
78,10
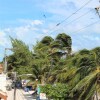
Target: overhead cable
86,26
79,17
70,15
73,13
75,19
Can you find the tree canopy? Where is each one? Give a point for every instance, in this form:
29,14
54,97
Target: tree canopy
52,63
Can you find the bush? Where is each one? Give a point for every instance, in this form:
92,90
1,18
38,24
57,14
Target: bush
57,91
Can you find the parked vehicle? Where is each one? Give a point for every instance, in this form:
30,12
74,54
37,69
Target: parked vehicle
18,84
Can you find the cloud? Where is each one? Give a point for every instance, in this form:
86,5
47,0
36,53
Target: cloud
57,10
81,41
31,22
66,7
3,39
28,30
97,28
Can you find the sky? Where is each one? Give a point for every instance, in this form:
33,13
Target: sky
31,20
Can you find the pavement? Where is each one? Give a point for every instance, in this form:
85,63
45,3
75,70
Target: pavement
20,95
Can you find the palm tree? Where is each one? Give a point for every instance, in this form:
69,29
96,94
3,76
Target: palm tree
88,86
41,61
65,42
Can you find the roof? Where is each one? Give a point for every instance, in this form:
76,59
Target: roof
3,93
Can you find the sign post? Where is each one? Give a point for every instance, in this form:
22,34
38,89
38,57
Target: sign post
43,96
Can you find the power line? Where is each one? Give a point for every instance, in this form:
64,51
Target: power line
86,26
75,19
70,15
83,27
73,13
79,17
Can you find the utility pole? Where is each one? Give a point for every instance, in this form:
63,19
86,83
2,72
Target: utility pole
5,70
97,11
5,62
5,58
15,76
15,80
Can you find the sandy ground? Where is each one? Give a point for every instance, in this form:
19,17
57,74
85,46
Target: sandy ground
20,95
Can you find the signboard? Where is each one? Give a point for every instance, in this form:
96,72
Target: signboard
42,96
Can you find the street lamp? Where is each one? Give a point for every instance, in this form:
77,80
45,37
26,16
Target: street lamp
5,59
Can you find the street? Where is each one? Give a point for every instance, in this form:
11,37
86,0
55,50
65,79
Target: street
20,95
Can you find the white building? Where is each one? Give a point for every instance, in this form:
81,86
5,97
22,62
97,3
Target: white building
3,82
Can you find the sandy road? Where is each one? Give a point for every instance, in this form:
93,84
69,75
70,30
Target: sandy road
20,95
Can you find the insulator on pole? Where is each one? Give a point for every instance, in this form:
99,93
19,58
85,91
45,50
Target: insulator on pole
97,11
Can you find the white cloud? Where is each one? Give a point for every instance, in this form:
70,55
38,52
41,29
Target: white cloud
8,30
28,31
3,39
81,41
92,38
31,22
45,31
36,22
31,30
66,7
97,28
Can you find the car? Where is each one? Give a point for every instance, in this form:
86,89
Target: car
18,84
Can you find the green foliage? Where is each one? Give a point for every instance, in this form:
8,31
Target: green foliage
20,60
65,41
56,91
78,75
47,40
97,54
84,51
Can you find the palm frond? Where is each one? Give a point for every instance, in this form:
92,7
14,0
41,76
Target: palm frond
84,82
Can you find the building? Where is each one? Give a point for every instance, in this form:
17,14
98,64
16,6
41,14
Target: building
3,95
1,68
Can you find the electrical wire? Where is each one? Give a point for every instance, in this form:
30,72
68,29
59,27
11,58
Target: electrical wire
70,15
75,19
83,27
73,13
79,17
86,26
